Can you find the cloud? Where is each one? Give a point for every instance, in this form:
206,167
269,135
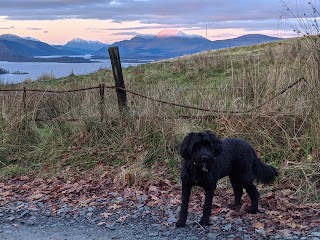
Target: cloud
147,11
34,29
251,15
126,33
6,28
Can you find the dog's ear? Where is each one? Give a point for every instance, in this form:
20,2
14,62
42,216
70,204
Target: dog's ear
186,146
215,143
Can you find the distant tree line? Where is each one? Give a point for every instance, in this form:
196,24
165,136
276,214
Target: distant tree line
3,71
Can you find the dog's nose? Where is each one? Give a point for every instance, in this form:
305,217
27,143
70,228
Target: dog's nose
204,158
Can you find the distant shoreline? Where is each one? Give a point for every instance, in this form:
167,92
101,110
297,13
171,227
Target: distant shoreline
54,59
4,71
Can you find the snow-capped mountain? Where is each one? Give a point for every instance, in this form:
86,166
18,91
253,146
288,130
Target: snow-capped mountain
31,39
85,44
165,33
170,33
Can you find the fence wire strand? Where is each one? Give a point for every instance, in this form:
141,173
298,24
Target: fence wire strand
302,79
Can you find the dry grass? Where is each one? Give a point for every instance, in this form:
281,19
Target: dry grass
284,131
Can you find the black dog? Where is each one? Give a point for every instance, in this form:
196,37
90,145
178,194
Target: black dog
207,158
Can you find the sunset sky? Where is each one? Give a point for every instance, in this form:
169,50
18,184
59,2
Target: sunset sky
58,21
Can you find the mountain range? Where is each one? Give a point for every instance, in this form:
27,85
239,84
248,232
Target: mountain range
166,44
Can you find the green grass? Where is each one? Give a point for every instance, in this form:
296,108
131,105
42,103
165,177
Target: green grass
285,131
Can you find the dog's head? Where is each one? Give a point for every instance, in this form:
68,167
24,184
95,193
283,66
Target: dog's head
201,147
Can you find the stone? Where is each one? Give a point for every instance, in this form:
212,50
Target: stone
227,227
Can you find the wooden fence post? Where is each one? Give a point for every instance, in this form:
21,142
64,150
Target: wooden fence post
118,78
102,105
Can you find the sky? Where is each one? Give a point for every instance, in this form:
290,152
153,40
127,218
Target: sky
59,21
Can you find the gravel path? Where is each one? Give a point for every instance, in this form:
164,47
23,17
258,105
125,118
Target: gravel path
24,221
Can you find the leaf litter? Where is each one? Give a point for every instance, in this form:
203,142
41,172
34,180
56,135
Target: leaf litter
281,211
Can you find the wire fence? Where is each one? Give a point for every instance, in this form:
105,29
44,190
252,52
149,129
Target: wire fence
121,92
103,87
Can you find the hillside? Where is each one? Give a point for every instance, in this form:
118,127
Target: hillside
16,46
267,94
167,43
172,44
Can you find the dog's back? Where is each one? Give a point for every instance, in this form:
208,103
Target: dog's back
239,158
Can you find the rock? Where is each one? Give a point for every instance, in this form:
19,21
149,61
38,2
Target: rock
10,219
315,234
91,209
47,213
7,231
212,235
153,234
111,226
172,219
238,221
31,221
285,233
24,214
227,227
261,231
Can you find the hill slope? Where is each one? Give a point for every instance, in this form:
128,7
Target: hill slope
173,44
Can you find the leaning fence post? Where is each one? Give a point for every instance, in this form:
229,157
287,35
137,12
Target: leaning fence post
118,78
102,105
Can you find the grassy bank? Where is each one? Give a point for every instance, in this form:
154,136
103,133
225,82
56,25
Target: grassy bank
285,129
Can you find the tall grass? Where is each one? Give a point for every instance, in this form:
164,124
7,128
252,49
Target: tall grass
285,131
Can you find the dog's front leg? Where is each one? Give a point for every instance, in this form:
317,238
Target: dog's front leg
207,207
186,192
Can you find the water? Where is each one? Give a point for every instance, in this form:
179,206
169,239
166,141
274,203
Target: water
37,69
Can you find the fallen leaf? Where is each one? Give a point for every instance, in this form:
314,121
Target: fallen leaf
258,225
105,214
123,218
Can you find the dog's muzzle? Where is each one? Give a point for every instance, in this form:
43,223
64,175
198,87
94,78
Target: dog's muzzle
204,166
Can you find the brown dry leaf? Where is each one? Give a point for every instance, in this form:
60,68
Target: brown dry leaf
153,189
274,213
216,211
155,199
106,215
114,207
258,225
175,200
123,218
35,196
244,207
268,195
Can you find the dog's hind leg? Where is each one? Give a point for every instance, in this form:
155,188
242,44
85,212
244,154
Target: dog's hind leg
238,191
254,196
205,220
186,192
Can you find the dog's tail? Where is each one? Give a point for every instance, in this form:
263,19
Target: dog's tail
264,173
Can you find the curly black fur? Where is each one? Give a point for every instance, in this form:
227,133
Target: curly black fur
206,159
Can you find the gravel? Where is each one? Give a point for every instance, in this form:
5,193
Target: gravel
28,221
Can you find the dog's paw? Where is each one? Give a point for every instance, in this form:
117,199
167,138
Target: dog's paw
253,210
180,224
235,206
204,222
